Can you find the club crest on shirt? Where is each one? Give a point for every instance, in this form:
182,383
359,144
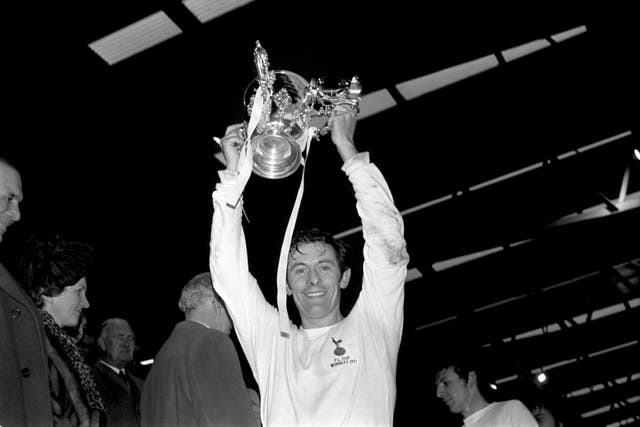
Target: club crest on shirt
341,353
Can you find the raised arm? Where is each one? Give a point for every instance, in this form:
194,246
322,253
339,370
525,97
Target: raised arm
228,253
385,253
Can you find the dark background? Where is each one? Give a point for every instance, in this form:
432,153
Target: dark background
122,156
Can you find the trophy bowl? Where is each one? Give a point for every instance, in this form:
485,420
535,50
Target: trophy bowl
276,153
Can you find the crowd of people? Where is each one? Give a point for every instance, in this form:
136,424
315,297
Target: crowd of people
332,369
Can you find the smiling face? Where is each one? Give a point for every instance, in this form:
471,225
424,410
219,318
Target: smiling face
10,196
314,281
65,308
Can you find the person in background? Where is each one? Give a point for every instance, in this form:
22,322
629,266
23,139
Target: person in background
459,384
196,378
55,271
546,413
24,372
120,389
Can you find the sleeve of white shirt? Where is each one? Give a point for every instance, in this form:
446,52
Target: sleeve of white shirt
385,253
249,310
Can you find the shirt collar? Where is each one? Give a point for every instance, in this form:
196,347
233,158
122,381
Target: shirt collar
203,324
113,368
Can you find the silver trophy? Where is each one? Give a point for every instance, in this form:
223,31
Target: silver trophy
292,106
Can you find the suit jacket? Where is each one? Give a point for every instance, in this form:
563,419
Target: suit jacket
196,380
24,372
122,407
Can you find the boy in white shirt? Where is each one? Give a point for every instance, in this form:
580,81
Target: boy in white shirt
457,385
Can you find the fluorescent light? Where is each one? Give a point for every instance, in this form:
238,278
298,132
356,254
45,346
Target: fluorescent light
376,102
507,176
146,362
506,379
598,387
206,10
452,262
413,274
135,38
524,49
560,37
419,86
604,141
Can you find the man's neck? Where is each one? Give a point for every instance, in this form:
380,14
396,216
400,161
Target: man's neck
200,322
476,404
308,323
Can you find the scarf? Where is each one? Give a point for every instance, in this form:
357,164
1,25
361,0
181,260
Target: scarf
73,356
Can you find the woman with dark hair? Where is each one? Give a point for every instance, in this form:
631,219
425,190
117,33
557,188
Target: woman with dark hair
55,273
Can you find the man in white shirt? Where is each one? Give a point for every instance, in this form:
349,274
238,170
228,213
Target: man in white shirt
334,370
457,385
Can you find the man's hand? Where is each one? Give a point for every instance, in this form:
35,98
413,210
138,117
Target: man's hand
231,143
343,125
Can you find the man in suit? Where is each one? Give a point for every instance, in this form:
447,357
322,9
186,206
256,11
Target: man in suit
24,382
196,379
120,389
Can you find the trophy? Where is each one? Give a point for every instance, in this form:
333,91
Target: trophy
292,110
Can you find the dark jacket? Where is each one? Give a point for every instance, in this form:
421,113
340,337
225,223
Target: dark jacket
24,375
122,407
196,380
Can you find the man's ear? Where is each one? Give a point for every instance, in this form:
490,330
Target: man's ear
101,344
289,291
344,280
473,380
218,307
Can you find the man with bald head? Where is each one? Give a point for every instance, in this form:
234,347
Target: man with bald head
120,389
196,378
24,372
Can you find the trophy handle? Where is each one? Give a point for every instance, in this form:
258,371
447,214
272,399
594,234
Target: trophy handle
324,99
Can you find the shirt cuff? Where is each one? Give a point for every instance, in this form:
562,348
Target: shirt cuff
226,176
356,162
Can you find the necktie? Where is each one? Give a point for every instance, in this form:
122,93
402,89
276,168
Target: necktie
131,386
123,375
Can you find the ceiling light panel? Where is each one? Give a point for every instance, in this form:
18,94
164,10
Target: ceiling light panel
135,38
419,86
206,10
376,102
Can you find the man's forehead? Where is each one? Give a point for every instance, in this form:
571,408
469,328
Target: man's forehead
312,250
119,327
446,374
10,179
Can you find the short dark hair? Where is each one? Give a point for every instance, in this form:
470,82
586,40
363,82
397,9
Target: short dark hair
52,262
315,235
463,363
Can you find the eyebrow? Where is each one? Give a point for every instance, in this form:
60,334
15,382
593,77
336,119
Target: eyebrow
297,264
